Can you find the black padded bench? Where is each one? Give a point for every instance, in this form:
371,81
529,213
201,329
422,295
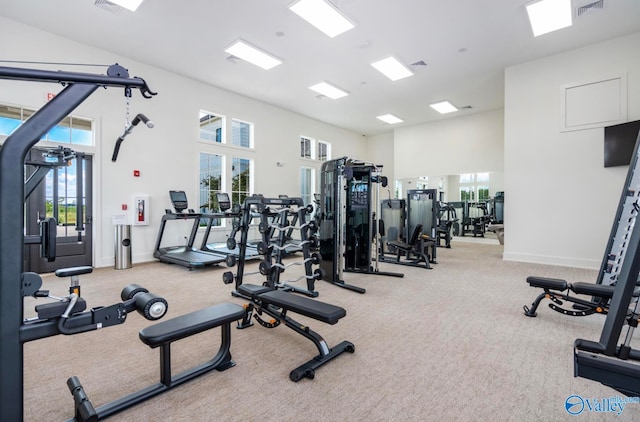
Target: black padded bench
276,303
553,289
548,283
162,335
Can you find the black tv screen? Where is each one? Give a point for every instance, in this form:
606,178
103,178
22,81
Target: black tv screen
619,143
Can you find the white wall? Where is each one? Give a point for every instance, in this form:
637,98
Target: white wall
379,150
167,155
560,200
468,144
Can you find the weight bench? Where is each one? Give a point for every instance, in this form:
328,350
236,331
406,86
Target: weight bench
162,335
276,303
554,288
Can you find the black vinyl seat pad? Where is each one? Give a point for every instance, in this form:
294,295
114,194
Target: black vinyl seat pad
192,323
321,311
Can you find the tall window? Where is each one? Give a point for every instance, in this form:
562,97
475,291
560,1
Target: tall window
306,147
241,180
324,151
211,127
474,186
483,193
211,171
467,193
71,130
241,134
306,184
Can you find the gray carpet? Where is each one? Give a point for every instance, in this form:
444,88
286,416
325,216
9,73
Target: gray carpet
450,343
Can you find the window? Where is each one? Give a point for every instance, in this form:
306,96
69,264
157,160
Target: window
483,193
241,134
211,127
466,178
211,171
241,179
324,151
306,147
306,184
467,193
71,130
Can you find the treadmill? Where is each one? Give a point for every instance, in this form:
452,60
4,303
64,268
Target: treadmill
185,255
224,247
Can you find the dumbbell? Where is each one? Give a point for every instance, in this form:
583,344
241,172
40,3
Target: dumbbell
264,248
231,243
230,260
318,274
227,277
265,268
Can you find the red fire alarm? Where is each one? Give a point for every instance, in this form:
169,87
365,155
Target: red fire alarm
136,173
124,207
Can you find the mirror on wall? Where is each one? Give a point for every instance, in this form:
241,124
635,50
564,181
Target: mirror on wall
453,188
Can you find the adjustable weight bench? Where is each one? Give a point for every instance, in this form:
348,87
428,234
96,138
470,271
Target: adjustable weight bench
162,335
554,290
276,303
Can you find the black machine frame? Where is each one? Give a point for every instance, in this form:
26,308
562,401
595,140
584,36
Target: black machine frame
618,366
13,282
349,236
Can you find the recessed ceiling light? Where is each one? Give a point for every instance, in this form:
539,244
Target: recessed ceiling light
549,15
323,15
392,68
247,52
127,4
443,107
328,90
390,118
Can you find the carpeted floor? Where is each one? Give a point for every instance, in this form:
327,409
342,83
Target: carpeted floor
450,344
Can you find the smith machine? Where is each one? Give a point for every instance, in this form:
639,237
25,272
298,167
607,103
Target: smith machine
63,317
349,236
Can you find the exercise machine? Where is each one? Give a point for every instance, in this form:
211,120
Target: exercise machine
618,366
77,88
185,255
230,247
447,217
349,236
162,335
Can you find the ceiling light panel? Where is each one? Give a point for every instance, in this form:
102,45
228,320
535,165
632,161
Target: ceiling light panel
549,15
443,107
329,90
392,69
251,54
390,118
323,15
127,4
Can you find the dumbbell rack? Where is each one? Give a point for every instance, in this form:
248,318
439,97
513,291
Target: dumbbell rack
278,218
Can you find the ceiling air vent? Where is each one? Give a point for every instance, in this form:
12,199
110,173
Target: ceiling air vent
591,7
107,5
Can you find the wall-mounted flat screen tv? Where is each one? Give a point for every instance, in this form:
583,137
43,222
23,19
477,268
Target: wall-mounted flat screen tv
619,143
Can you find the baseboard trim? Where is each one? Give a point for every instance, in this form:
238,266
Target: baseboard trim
590,264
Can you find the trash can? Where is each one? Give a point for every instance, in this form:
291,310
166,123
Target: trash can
123,246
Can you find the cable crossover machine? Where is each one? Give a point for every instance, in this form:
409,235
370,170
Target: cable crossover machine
349,236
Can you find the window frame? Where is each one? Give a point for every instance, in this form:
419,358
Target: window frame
251,134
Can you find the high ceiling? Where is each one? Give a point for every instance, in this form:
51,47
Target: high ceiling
465,44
